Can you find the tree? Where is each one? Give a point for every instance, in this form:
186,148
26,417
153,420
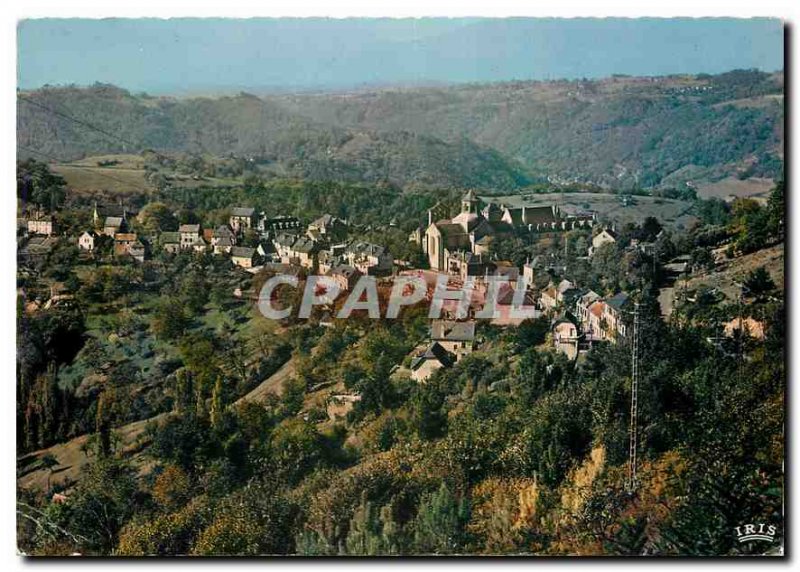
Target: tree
169,319
156,217
296,449
702,259
102,502
254,521
439,526
531,332
776,209
427,412
759,282
36,184
372,531
172,488
650,228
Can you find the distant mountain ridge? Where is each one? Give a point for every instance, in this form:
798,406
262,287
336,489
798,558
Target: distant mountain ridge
619,132
162,56
244,125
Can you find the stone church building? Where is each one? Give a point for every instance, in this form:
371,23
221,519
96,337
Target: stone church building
461,245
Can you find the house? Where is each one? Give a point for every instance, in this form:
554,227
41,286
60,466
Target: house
243,256
463,263
222,239
329,258
138,251
457,337
565,337
37,248
87,241
531,214
528,274
222,245
123,242
507,314
344,276
242,218
296,250
615,314
327,227
304,252
605,236
432,359
190,236
548,299
101,213
42,225
171,241
279,224
369,258
582,304
114,224
595,327
199,245
265,249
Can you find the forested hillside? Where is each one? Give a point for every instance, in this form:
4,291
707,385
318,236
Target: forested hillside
644,131
621,132
70,123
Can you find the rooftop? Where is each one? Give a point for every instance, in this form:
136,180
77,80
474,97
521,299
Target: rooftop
433,352
242,252
452,330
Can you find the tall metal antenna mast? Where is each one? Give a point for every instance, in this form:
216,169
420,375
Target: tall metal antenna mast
634,427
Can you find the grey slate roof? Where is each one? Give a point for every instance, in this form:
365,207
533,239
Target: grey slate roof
618,301
434,352
223,230
451,330
242,252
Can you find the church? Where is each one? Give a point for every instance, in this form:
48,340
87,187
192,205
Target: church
461,245
464,239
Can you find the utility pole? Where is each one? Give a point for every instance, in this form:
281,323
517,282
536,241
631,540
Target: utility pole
634,426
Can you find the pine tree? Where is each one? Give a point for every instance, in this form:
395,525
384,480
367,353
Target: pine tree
440,522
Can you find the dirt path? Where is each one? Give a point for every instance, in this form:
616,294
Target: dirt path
272,385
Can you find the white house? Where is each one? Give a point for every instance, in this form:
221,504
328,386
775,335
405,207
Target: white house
87,240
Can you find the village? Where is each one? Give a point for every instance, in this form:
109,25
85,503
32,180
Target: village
457,247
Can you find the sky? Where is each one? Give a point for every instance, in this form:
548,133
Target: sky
163,56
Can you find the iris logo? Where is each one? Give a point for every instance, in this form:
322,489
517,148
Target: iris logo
749,532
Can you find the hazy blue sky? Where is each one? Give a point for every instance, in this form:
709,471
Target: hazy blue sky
186,55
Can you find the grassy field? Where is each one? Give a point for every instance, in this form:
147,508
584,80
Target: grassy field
124,175
609,207
115,180
758,189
